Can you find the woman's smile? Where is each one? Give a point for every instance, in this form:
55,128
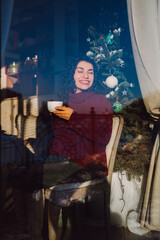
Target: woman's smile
85,82
83,76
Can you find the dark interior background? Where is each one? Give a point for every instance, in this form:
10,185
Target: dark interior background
56,31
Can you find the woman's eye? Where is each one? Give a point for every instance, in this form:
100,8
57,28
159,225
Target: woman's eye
80,71
90,72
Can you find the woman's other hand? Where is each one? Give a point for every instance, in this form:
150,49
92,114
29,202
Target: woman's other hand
63,112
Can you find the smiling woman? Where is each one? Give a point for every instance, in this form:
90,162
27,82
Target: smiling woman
75,135
84,76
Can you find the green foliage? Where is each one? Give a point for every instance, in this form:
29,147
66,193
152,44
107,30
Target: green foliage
135,145
105,51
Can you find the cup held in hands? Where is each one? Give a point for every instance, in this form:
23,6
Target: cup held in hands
52,104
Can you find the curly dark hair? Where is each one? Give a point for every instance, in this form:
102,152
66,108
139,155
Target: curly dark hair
68,84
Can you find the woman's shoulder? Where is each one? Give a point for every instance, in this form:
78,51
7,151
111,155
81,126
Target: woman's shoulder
101,102
100,97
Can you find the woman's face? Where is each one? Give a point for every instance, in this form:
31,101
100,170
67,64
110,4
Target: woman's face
83,76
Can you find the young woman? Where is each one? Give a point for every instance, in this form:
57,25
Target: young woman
76,136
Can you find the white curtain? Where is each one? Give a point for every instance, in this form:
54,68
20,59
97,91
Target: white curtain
144,23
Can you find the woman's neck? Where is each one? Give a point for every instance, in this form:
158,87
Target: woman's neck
78,90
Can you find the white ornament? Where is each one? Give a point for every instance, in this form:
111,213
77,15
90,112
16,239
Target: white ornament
107,95
111,37
112,52
115,31
88,39
112,93
89,53
124,92
100,56
116,89
121,62
131,85
111,81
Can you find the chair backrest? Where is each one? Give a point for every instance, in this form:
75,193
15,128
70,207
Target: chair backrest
26,126
111,148
9,111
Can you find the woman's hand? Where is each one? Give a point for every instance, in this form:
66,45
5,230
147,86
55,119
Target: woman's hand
63,112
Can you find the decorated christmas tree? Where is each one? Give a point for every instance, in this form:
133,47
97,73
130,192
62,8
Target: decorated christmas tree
105,50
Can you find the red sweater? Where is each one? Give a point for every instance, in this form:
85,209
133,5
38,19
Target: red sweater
84,137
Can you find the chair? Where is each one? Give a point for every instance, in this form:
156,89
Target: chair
64,195
14,156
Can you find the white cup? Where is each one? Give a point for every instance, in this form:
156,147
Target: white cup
52,104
